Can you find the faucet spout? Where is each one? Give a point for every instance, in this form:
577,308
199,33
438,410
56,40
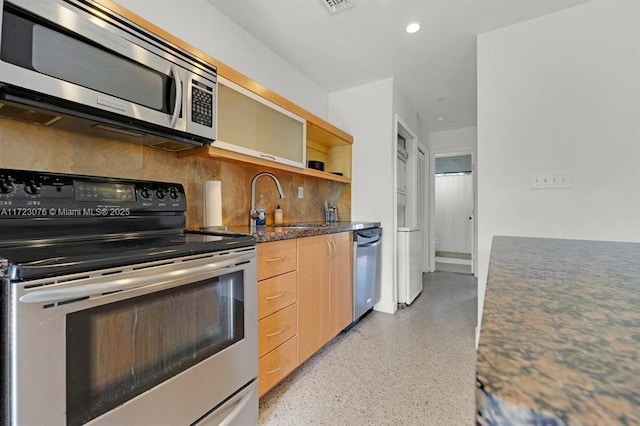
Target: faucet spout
253,214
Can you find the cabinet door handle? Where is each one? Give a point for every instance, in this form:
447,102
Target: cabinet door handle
284,327
332,248
276,369
277,296
276,259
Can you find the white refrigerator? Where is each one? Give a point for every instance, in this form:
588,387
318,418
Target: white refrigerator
409,264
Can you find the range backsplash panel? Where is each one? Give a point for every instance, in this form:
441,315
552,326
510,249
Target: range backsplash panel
32,147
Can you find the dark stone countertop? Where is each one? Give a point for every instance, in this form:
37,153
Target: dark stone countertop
560,336
268,233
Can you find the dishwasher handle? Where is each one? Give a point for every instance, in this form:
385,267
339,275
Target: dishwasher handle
367,236
375,243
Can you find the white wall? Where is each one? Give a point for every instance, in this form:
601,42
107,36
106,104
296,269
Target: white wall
452,141
458,141
404,109
560,93
203,26
367,111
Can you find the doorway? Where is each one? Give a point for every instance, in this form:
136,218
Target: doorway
454,213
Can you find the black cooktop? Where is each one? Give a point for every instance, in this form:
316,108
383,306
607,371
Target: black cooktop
39,260
53,224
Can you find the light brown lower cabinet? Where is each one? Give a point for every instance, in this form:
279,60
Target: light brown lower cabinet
276,329
305,298
276,365
277,312
325,291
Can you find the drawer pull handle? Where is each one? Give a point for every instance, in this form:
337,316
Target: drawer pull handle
276,259
284,327
276,369
276,297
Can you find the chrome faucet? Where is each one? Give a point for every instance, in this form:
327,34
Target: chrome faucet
253,213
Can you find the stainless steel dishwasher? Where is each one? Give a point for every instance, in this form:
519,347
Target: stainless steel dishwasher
366,271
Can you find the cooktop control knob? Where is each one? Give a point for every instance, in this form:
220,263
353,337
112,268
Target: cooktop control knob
173,193
32,187
6,187
161,193
146,193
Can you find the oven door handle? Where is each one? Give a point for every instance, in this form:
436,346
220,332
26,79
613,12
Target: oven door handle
108,284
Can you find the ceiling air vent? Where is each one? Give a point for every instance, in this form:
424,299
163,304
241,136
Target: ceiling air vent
336,6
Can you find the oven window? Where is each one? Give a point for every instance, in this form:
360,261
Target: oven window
119,350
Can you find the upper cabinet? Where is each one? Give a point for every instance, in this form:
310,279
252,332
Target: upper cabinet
259,127
251,125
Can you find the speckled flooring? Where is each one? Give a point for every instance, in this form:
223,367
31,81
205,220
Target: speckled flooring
416,367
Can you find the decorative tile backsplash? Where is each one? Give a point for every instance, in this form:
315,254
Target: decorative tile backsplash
32,147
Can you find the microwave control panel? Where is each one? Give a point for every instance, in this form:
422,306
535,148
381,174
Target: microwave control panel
201,104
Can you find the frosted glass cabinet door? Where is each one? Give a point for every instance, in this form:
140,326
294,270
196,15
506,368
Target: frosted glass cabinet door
252,125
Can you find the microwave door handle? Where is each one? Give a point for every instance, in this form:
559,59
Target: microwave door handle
176,108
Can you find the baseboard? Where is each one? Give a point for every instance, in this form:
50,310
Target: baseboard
453,260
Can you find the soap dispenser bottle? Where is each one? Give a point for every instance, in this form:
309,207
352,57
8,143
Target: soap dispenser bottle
277,215
262,212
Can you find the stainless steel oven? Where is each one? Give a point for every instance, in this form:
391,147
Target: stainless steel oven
147,326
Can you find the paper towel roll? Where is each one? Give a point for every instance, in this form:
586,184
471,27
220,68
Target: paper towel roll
213,203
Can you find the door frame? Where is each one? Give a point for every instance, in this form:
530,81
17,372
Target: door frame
432,211
426,228
411,137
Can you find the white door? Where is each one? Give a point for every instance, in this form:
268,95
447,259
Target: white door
401,179
454,208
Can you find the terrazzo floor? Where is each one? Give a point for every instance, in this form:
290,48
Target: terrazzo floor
416,367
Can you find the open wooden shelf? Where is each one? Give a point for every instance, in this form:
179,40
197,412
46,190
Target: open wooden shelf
235,157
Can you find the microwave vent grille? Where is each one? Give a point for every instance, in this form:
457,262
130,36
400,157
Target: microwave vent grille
172,146
29,115
336,6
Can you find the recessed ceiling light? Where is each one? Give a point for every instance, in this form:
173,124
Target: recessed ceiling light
413,27
441,118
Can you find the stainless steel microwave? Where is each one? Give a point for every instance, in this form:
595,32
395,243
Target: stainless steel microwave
77,65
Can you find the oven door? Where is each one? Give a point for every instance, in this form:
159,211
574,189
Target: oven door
159,343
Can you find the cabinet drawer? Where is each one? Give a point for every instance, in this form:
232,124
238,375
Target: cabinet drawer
276,258
276,293
274,366
277,328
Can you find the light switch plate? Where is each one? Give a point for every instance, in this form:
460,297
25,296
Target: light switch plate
300,191
550,180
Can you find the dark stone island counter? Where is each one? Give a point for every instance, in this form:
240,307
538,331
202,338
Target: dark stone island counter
560,336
